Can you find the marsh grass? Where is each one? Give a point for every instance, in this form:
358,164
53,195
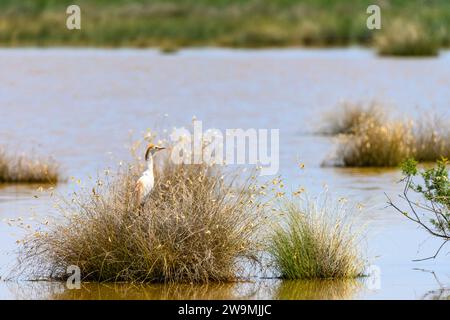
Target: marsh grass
367,137
316,240
404,38
432,139
376,145
23,169
199,225
348,116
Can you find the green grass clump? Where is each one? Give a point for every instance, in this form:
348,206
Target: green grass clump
316,241
23,169
196,227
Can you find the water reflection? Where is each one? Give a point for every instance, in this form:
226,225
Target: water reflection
59,108
319,289
127,291
440,294
261,289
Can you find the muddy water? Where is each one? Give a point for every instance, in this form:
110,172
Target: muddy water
80,105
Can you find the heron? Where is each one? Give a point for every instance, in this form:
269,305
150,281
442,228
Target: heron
145,183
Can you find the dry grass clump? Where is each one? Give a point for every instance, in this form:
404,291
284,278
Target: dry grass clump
197,226
368,138
22,169
348,117
316,241
376,145
432,139
403,38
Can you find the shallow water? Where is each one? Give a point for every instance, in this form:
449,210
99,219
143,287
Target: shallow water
79,106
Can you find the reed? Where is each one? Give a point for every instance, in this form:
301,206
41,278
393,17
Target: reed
367,137
376,145
23,169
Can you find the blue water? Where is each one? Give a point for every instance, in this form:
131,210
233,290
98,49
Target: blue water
81,105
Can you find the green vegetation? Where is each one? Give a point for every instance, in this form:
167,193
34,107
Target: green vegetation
316,241
432,211
196,227
403,38
231,23
23,169
368,138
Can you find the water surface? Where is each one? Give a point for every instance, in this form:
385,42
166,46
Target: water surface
79,106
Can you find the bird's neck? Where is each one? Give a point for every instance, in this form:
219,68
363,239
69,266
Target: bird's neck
150,164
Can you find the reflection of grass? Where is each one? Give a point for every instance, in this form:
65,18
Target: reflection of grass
127,291
259,289
404,38
256,23
318,289
316,241
22,169
194,228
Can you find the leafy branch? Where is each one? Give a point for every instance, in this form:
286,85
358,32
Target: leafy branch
433,213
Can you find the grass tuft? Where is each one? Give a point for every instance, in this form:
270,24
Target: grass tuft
368,138
197,226
376,145
316,241
432,139
22,169
349,116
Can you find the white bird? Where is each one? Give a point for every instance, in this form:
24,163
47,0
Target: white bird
146,182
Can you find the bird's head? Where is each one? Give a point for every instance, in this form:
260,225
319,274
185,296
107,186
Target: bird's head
151,150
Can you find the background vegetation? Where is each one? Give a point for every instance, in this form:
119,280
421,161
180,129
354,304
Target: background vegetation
16,168
233,23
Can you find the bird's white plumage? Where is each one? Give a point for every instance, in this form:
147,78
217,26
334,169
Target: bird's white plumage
146,182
